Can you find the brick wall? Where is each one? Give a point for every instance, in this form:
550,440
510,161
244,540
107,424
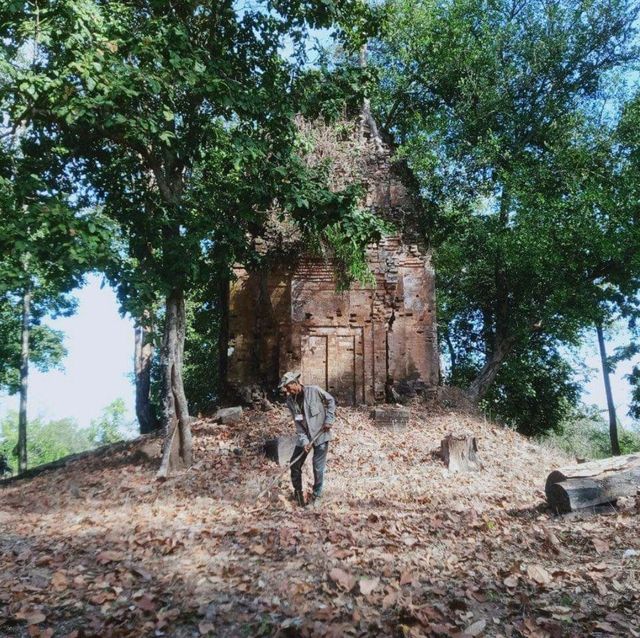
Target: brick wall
357,344
353,343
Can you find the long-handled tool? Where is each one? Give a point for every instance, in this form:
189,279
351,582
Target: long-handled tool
288,467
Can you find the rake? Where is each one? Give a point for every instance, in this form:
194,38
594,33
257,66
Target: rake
287,468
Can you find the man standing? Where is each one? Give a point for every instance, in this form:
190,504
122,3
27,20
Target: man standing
314,413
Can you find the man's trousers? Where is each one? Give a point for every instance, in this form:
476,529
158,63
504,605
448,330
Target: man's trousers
319,462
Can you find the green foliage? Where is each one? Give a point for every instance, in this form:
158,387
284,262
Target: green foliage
347,239
46,243
334,93
111,426
47,441
176,123
47,345
495,107
180,122
624,353
634,380
45,248
201,365
628,136
51,440
535,390
585,435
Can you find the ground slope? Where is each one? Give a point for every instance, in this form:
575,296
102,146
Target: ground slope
398,547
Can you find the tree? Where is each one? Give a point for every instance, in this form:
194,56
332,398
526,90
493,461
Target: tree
184,113
46,345
611,408
634,380
133,280
535,390
142,361
48,440
628,136
45,248
202,371
111,426
493,105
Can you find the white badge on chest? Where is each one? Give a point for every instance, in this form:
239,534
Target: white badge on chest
299,417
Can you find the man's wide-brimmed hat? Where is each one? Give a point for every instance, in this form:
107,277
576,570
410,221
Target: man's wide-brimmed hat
288,377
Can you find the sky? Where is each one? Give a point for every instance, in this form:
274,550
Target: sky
99,364
594,389
97,369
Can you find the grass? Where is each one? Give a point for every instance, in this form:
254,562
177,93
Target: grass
588,438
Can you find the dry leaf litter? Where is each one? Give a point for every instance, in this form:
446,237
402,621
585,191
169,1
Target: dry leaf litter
397,547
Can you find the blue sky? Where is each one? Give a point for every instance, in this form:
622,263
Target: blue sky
97,369
99,364
594,389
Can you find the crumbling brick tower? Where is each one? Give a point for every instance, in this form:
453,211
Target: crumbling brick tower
364,345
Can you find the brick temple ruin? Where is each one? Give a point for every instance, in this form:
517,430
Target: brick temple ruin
365,345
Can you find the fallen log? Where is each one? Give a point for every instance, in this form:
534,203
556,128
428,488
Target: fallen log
594,483
459,452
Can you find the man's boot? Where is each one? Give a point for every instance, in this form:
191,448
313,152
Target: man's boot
298,497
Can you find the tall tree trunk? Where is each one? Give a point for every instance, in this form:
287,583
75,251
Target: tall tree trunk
452,353
498,343
481,384
24,380
366,118
613,422
177,447
223,334
142,366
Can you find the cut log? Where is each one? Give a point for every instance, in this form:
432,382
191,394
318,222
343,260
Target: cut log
459,452
594,483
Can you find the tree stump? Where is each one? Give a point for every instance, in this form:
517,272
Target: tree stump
459,452
594,483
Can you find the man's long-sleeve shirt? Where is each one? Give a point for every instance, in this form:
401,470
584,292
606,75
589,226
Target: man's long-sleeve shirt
316,408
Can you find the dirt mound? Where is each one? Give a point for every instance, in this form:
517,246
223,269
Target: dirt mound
450,397
398,547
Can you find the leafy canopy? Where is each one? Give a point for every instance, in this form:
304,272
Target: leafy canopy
494,106
178,119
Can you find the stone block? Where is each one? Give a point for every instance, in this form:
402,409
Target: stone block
228,415
391,417
280,448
